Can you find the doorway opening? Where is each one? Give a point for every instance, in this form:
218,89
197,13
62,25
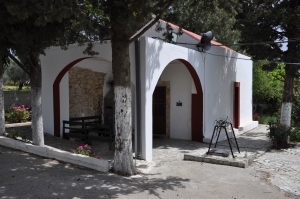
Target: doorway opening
159,111
236,105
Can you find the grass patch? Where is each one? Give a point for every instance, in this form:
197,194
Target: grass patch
15,88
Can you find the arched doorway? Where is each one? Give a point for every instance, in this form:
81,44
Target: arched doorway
87,73
183,117
197,105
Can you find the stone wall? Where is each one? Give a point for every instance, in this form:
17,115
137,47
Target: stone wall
85,92
12,98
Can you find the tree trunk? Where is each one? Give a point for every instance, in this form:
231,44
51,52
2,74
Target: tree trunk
287,98
123,158
2,116
20,86
36,101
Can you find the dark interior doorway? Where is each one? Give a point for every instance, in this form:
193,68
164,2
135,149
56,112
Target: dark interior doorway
159,111
236,105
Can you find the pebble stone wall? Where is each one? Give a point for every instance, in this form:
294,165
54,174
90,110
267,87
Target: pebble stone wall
85,92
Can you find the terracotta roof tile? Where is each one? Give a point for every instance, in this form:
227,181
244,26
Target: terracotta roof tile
194,35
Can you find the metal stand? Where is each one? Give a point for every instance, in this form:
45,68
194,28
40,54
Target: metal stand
217,129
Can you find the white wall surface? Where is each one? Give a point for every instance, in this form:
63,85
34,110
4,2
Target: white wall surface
155,57
52,64
244,75
180,90
221,69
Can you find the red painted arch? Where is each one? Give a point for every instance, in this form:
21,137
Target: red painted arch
56,97
197,104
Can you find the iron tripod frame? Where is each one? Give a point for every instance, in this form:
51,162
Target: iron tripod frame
219,127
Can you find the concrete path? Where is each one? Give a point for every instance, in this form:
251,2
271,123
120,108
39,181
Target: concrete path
282,169
277,168
28,176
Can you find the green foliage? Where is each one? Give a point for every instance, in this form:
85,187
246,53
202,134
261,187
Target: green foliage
16,74
13,134
295,135
267,87
43,24
279,135
16,88
197,16
269,21
296,110
18,114
85,150
265,119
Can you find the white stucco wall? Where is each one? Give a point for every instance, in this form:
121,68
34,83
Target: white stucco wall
155,57
217,69
244,75
54,62
180,90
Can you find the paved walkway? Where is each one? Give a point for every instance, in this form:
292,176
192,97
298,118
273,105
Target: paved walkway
281,169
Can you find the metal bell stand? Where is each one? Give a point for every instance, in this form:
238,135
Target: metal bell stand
223,124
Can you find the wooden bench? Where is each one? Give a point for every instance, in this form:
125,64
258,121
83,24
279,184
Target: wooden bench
88,129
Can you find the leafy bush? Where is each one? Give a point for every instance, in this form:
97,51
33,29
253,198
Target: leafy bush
279,135
295,135
256,117
265,119
296,111
85,150
18,114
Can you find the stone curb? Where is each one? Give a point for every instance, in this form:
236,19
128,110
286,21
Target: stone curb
17,124
237,162
50,152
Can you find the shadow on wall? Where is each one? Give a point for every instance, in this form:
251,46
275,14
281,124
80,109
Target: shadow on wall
219,87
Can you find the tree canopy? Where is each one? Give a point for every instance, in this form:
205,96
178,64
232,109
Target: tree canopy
28,28
265,23
197,16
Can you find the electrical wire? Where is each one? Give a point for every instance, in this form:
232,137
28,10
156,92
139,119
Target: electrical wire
275,62
297,39
255,43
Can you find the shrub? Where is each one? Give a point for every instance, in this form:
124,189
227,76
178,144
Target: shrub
265,119
256,117
85,150
18,114
279,135
295,135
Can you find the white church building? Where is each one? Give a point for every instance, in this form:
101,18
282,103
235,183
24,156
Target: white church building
178,91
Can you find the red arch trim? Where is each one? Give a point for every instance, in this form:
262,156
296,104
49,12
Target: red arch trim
197,104
56,97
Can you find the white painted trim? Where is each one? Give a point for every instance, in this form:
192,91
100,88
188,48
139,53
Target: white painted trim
50,152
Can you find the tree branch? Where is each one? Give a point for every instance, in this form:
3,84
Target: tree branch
17,62
152,23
